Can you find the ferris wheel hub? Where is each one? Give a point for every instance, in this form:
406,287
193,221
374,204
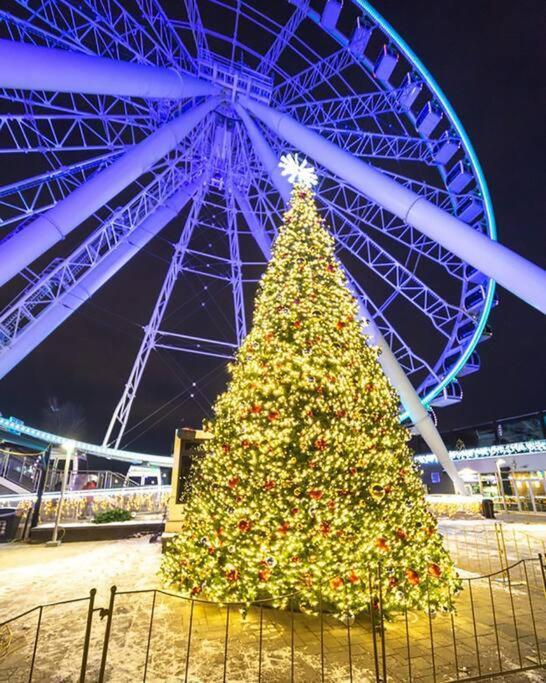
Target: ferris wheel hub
235,81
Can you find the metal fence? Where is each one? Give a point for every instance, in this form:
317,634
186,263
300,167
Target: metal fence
490,547
497,629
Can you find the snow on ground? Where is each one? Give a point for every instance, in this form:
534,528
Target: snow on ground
33,574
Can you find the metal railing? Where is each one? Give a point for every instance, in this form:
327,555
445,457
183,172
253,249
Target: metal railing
487,548
20,470
498,628
105,479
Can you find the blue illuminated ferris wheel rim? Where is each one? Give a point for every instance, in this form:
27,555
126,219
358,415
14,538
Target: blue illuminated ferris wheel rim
484,189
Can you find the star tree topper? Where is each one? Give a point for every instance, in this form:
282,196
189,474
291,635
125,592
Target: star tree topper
298,172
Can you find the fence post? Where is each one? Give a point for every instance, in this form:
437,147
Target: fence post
87,636
35,649
107,634
543,571
149,635
374,634
382,624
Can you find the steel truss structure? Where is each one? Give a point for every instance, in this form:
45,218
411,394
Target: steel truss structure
129,111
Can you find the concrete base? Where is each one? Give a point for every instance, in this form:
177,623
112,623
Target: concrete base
86,531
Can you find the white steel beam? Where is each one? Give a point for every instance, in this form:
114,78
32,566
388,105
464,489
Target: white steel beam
120,416
521,277
68,302
29,67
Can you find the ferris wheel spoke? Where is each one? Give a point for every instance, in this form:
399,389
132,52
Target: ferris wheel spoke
367,214
344,110
23,247
379,146
236,265
33,102
165,34
358,209
408,359
287,32
66,284
198,30
403,282
68,133
30,197
121,413
103,27
477,249
322,71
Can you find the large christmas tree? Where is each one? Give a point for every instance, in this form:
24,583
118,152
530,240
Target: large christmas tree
308,483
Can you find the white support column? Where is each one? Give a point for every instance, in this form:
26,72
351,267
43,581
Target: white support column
418,414
26,245
120,417
262,238
236,267
66,304
265,154
29,67
521,277
391,367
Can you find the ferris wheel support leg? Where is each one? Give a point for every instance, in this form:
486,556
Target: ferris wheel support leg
261,237
419,415
518,275
66,304
391,367
23,247
120,417
29,67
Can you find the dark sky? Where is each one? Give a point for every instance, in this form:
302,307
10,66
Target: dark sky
490,60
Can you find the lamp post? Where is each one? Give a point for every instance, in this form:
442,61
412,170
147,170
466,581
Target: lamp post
41,486
69,451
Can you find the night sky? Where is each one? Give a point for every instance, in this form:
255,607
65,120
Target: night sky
489,59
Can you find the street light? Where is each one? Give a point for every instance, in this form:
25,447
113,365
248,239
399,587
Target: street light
68,447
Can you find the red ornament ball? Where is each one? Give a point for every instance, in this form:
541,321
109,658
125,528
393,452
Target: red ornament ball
413,577
381,544
336,582
264,574
244,525
232,575
434,570
324,528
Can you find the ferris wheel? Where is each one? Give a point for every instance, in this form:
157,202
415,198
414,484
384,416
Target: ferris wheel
139,113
